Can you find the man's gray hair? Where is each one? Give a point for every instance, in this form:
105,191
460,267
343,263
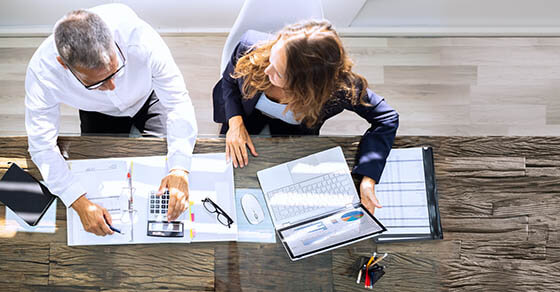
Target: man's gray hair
83,39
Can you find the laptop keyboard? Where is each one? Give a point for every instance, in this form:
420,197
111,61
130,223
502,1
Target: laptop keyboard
326,192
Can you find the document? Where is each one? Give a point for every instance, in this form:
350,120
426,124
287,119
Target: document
402,193
108,186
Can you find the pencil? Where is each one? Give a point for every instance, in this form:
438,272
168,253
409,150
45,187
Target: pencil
379,259
371,259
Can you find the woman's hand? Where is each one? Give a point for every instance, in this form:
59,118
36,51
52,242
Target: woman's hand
237,140
367,194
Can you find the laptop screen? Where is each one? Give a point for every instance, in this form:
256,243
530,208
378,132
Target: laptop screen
328,232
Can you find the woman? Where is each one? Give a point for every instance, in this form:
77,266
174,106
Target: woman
293,83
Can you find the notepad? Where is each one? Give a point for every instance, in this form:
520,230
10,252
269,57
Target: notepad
407,191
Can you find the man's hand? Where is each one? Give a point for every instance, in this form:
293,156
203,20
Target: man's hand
178,185
94,217
237,141
367,194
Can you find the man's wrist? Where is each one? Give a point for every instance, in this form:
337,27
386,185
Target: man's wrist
179,169
80,203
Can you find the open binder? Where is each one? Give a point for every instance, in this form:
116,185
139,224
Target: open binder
408,193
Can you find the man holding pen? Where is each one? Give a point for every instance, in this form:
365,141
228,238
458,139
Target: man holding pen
118,72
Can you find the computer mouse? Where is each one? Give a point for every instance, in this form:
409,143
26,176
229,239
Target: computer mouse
252,209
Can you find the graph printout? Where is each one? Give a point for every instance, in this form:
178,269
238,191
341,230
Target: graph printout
344,226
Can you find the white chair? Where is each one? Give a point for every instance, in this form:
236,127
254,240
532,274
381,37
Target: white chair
268,16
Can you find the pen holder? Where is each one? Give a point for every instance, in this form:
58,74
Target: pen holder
367,276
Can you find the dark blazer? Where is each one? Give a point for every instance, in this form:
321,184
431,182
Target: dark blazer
376,142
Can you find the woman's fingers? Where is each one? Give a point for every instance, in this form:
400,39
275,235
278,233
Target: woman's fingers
251,147
245,155
238,156
227,152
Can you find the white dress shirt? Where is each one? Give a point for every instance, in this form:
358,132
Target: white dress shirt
149,66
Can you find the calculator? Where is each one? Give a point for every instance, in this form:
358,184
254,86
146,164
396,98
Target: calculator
157,217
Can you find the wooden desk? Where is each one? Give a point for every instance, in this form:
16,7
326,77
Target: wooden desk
499,200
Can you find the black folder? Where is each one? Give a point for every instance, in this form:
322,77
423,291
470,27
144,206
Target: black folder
25,195
432,201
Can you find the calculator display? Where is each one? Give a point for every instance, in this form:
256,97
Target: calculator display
173,227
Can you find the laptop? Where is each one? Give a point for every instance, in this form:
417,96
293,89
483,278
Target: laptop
314,204
25,195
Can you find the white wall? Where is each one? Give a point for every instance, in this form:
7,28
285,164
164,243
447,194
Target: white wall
165,15
370,17
459,13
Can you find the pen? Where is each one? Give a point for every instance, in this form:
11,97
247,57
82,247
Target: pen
114,229
359,276
379,259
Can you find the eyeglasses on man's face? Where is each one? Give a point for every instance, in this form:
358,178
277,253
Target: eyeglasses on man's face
212,207
98,84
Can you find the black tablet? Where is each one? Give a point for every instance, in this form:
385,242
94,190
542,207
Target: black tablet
25,195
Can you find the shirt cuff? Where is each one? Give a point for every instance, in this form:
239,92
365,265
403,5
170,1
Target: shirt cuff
72,193
179,161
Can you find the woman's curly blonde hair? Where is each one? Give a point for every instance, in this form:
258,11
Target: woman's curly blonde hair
317,67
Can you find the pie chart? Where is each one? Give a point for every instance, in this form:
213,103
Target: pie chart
351,216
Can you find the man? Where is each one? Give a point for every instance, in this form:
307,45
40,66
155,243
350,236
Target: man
118,72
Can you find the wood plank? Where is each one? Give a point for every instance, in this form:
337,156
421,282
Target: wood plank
24,262
507,185
531,204
424,94
490,228
543,171
53,288
518,75
423,263
431,75
481,166
543,162
139,267
464,208
25,163
498,56
504,275
403,56
495,250
513,94
241,266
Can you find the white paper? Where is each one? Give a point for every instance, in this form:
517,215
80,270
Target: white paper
402,193
47,224
210,176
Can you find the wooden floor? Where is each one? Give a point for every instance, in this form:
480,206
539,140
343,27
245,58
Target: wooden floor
440,86
499,199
